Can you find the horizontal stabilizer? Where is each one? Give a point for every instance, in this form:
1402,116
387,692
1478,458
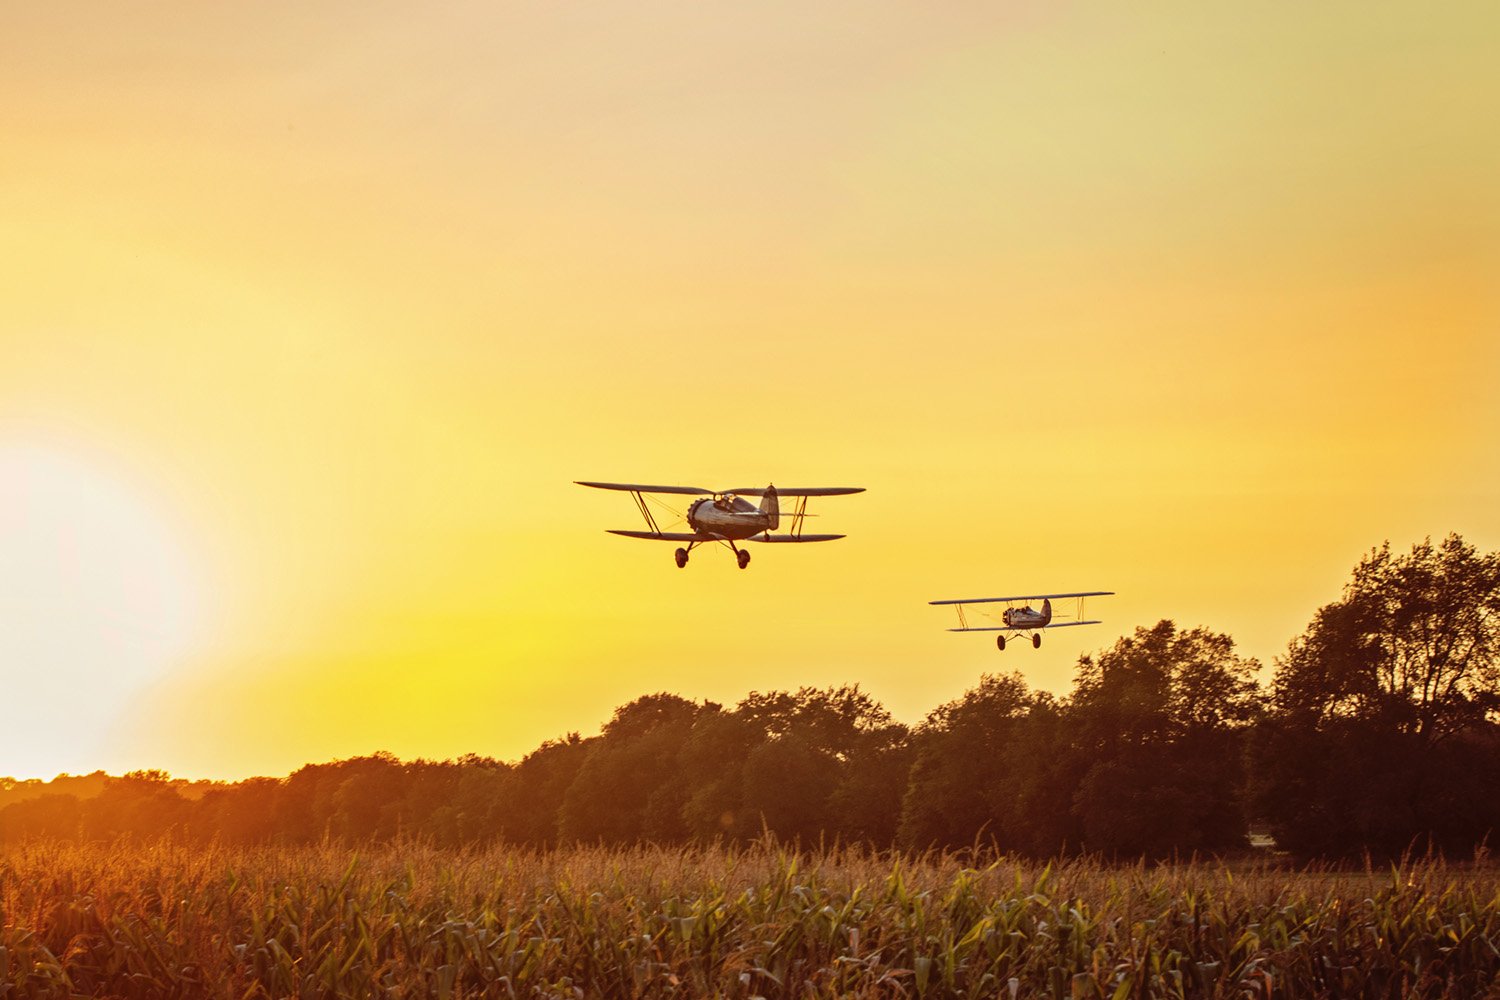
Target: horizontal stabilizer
1021,628
667,536
809,491
641,488
1025,597
792,538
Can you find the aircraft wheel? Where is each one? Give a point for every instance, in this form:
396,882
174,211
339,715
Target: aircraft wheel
744,559
681,555
1000,643
1036,641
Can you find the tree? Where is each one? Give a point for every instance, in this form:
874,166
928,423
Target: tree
713,774
141,804
367,800
1160,718
961,756
529,810
244,813
1384,716
50,816
629,786
788,784
829,762
1414,642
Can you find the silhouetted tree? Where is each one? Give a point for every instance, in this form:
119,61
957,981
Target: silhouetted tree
44,816
367,799
816,769
455,802
713,773
866,801
142,804
528,812
1035,791
243,813
961,755
630,785
1160,720
1383,730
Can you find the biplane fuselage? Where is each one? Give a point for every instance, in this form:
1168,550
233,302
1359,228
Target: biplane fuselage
730,517
1028,617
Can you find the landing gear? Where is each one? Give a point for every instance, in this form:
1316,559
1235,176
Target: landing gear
1036,641
1000,643
743,557
681,555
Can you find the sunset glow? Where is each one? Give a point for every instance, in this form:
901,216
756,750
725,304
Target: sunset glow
311,316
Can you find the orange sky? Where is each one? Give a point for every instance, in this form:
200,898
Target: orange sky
310,316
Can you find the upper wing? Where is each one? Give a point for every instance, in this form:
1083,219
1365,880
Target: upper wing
792,538
1024,628
639,488
667,536
1026,597
807,491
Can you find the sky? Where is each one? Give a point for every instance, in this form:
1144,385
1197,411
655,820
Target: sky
311,314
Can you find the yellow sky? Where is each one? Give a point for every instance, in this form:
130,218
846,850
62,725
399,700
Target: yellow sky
309,316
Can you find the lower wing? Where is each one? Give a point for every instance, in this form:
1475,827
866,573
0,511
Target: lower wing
667,536
792,538
1024,628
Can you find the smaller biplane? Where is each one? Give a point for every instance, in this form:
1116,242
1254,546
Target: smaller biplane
724,516
1023,619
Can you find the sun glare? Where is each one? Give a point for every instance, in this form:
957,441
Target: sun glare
96,601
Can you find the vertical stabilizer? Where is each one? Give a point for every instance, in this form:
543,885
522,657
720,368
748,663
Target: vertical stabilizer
1046,611
770,507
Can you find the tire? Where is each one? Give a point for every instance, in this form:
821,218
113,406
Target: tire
681,556
1000,643
1036,641
744,558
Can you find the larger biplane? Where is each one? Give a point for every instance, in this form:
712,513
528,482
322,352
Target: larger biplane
724,516
1019,617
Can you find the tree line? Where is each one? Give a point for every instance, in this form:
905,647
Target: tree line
1379,731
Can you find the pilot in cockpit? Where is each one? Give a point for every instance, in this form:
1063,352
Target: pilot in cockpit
724,502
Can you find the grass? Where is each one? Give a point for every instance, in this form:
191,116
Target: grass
412,921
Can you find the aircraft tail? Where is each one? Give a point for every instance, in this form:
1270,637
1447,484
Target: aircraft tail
770,507
1046,611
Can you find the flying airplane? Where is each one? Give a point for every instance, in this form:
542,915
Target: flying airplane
1024,619
725,516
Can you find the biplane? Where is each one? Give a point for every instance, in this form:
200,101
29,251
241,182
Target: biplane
1020,617
724,516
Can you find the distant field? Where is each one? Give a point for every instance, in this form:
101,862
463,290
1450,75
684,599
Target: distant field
415,922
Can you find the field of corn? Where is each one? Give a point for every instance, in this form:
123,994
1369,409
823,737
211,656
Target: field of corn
411,921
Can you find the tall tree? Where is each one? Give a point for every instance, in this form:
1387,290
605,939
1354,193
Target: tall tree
528,812
1414,642
629,786
829,763
1160,719
961,757
1383,733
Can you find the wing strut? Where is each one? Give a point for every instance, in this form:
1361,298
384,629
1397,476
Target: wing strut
640,502
798,514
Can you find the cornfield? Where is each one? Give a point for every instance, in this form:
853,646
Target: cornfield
164,920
